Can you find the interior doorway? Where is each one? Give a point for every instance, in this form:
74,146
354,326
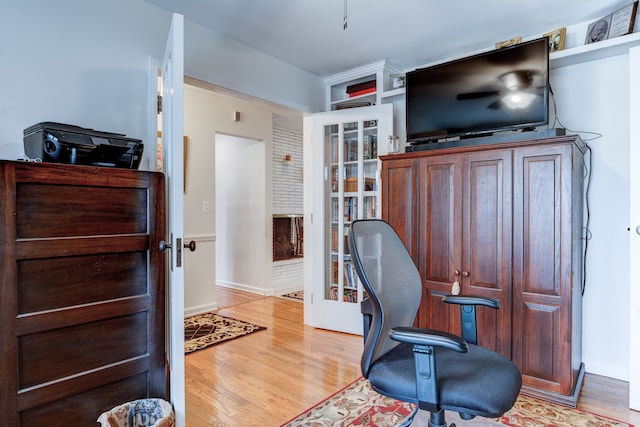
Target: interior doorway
240,203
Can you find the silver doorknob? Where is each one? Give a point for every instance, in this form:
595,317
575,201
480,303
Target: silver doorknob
638,230
164,246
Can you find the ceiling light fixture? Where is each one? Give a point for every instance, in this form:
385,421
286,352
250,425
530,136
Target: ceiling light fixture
344,19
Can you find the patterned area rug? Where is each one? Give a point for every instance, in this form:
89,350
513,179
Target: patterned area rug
358,405
207,329
298,296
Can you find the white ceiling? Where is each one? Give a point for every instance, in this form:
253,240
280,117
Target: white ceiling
308,33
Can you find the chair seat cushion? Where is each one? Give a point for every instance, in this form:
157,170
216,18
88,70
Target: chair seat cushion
479,382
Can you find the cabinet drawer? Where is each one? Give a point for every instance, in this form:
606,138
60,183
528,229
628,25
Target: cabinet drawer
83,211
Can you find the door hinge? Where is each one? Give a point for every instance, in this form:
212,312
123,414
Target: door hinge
159,104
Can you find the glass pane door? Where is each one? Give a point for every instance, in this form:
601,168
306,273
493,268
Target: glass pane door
344,148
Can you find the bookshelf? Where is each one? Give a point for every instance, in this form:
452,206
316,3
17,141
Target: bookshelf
345,148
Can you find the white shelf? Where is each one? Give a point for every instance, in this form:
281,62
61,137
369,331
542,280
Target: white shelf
371,96
393,92
590,52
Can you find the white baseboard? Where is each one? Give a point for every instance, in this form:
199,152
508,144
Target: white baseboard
607,370
192,311
286,286
246,288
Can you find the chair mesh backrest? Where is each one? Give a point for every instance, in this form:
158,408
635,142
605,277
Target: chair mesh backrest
391,279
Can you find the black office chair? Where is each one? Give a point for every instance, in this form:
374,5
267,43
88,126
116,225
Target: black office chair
436,370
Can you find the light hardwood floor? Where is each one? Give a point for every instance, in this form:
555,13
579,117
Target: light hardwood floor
269,377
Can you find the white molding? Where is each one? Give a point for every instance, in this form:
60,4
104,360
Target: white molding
192,311
590,52
364,70
245,288
201,237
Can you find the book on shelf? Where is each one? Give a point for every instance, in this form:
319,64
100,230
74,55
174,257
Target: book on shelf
334,239
350,150
350,209
359,87
348,295
353,104
371,147
369,207
349,276
362,92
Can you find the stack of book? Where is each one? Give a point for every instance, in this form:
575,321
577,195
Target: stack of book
361,88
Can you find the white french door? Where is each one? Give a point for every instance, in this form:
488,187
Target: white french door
342,184
173,167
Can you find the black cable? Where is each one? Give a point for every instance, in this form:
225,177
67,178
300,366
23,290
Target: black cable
588,175
556,120
587,232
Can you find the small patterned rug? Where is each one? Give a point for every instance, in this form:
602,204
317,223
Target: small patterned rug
298,296
207,329
358,405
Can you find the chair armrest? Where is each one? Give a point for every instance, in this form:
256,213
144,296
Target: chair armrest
429,337
468,305
471,300
424,341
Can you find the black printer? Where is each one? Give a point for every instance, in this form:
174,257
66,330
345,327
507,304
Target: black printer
62,143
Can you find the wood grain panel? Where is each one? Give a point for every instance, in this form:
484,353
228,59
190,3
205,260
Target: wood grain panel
84,211
60,282
82,291
79,348
78,409
540,355
486,241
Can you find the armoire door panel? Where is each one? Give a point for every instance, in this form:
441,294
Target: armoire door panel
399,204
440,315
541,227
440,218
540,356
545,339
486,242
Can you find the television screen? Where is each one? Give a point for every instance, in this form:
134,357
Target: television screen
497,90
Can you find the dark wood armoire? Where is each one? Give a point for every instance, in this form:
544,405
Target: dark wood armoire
504,220
82,316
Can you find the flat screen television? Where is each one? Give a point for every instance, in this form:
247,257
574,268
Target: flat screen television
502,89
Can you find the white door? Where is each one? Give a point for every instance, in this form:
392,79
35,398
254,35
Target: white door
342,184
173,166
634,235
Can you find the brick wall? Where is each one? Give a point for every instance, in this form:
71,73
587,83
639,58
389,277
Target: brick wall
287,199
287,175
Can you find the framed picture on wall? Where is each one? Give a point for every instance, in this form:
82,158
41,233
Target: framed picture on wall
598,30
556,39
615,24
623,20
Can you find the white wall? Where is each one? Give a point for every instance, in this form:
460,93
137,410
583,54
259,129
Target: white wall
78,62
594,97
86,63
208,114
241,219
